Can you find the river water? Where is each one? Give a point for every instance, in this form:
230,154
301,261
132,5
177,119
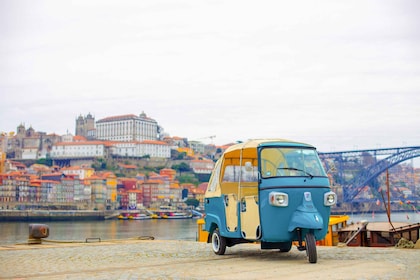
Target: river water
406,217
162,229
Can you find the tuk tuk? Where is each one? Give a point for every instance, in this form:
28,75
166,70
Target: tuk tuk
271,191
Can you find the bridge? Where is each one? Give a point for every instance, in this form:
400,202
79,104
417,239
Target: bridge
356,169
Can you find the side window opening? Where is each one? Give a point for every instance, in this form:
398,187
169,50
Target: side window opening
214,178
245,173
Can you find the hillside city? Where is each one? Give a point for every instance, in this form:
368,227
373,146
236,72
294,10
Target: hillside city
128,162
119,162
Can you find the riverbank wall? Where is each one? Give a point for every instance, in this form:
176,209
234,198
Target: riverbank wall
52,215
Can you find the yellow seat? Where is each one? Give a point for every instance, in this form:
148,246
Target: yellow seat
250,218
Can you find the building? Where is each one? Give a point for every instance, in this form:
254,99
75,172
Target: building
85,149
85,126
127,128
202,168
80,171
28,144
151,148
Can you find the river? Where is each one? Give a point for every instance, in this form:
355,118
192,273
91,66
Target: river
162,229
406,217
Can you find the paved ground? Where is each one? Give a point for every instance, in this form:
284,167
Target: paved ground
154,259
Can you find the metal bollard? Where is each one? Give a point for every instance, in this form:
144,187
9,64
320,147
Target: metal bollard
36,232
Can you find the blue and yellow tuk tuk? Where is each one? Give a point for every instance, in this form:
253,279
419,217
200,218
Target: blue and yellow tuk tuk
272,191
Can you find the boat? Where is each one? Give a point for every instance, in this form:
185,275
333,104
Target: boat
170,213
335,223
122,217
178,215
377,234
133,215
139,216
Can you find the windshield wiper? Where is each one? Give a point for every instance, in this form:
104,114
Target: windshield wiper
296,169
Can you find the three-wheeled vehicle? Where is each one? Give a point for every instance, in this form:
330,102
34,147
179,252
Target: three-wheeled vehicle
272,191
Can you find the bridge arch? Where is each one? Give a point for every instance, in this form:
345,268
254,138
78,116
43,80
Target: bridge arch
351,190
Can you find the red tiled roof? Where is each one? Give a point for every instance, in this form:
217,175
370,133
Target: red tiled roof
79,143
117,118
154,142
79,138
127,166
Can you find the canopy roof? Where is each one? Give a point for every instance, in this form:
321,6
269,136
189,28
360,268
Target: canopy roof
249,148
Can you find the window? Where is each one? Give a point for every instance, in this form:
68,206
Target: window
294,162
214,180
236,173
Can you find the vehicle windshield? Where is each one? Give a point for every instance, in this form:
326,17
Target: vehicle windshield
291,162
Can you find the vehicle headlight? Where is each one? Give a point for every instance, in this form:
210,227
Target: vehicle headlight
279,199
330,198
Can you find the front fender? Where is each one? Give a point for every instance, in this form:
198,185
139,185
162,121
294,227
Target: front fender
308,220
306,215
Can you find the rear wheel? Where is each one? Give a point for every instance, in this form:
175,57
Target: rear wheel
218,243
311,247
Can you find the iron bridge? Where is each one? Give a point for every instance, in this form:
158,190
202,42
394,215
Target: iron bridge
390,157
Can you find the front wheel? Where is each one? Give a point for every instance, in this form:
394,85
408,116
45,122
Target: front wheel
218,243
311,247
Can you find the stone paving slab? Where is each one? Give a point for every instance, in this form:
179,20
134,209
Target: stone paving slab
156,259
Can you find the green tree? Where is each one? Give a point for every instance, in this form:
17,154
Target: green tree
182,167
192,202
45,161
188,178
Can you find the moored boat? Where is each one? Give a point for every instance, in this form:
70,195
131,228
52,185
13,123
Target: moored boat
179,215
140,216
133,215
169,213
378,234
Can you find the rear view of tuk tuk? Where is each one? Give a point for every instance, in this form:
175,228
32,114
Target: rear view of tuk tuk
271,191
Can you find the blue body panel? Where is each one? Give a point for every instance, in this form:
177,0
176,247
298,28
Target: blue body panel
278,224
216,216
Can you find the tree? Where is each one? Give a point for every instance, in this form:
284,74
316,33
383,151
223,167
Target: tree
188,178
45,161
182,167
192,202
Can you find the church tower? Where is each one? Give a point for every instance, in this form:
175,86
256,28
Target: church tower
85,126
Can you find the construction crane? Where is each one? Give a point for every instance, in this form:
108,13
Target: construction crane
208,137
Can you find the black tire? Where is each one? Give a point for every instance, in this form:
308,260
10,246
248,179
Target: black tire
311,247
285,247
218,243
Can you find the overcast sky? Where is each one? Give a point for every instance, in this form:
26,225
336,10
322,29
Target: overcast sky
337,74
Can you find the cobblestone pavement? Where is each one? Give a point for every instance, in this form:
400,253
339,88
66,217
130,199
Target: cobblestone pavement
154,259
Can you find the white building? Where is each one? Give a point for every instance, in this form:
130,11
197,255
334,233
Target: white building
81,172
30,153
127,128
158,149
78,149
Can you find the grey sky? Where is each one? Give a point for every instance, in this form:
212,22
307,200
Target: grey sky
337,74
